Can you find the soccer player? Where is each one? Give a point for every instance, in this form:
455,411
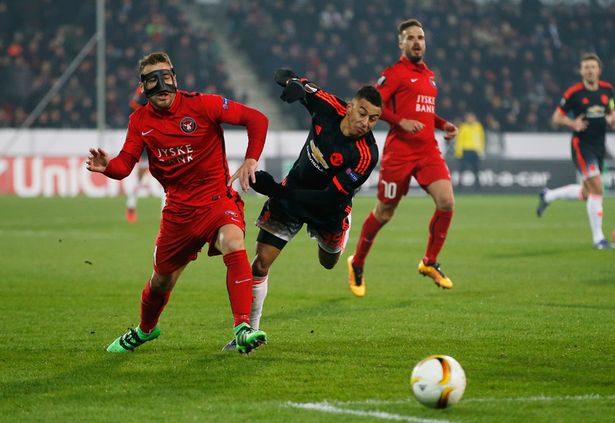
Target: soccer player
591,107
470,147
337,158
183,136
409,93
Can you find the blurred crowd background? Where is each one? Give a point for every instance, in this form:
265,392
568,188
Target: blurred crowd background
508,62
39,39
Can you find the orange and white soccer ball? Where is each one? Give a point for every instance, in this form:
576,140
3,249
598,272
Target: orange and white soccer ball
438,381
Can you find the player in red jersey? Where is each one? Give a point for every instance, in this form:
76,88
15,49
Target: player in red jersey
409,93
591,106
183,137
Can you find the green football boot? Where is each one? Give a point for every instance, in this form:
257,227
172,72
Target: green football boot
248,339
132,339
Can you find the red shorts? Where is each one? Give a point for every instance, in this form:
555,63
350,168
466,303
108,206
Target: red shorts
179,242
395,175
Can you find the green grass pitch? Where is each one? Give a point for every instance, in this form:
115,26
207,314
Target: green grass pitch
531,319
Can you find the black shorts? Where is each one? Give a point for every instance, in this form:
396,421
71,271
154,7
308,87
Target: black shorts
588,159
331,231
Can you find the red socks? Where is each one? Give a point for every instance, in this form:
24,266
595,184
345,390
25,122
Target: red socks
239,285
370,229
152,304
438,227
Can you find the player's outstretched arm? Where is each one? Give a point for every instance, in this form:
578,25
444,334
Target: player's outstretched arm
245,174
610,119
265,184
578,124
97,161
283,75
293,86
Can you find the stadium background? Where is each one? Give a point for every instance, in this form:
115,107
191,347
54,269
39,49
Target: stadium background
508,62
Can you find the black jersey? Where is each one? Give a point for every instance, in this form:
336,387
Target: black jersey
328,158
594,105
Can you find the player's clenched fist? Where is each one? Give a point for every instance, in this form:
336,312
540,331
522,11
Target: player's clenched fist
266,185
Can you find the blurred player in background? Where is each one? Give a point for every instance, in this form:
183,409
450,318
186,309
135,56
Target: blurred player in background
470,147
183,136
591,106
337,158
409,93
138,99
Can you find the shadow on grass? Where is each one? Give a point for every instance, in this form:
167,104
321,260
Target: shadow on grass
534,253
581,306
126,377
340,306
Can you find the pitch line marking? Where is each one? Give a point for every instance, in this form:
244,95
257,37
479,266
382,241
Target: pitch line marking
326,407
59,233
587,397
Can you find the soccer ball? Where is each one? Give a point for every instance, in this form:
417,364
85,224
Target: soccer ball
438,381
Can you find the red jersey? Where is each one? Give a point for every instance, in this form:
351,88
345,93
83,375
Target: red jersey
409,92
185,146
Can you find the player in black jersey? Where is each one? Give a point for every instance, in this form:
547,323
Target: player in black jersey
587,108
337,158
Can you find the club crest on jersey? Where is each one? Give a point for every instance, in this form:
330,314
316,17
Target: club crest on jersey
433,81
316,157
595,112
188,125
336,159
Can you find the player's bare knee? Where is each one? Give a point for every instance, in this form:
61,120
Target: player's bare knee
328,260
384,214
328,266
232,245
162,283
328,263
259,268
446,205
593,190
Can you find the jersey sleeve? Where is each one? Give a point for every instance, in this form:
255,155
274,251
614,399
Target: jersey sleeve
223,110
133,144
565,105
387,85
318,101
120,167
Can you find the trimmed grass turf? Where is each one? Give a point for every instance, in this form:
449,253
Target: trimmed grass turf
531,314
